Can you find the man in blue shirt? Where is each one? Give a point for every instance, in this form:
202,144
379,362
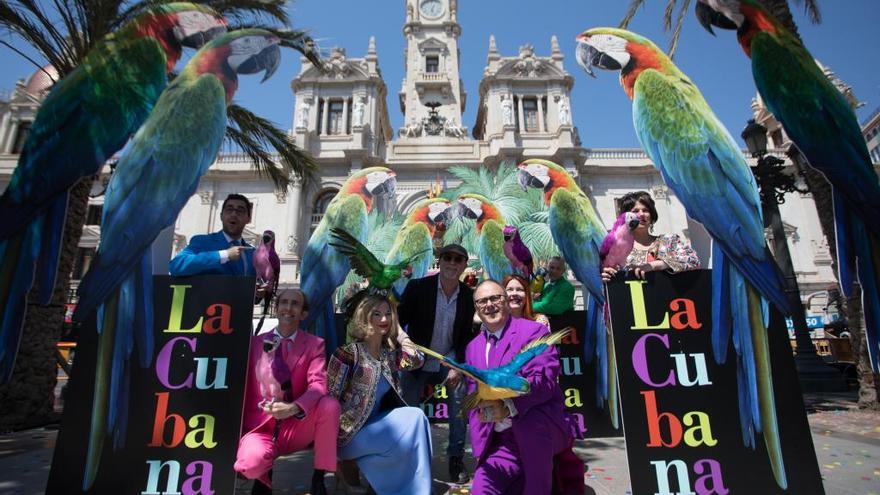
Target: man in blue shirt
223,252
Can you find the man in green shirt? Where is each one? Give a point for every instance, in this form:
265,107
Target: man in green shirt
557,297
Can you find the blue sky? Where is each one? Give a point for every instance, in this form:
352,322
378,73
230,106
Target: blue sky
601,111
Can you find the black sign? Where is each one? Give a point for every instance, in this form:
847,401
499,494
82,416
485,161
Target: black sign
184,408
681,409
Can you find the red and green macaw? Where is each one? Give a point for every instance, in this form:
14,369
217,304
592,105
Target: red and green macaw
490,233
416,236
579,233
159,171
86,118
323,268
820,122
701,162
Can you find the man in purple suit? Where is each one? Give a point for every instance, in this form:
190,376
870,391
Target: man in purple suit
514,440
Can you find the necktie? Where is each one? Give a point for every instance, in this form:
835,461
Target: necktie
493,346
243,259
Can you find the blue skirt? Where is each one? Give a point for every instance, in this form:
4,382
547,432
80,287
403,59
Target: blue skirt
393,451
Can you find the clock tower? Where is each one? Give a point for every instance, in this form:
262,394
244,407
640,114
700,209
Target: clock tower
432,98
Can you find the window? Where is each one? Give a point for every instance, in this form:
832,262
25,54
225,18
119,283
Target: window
335,125
21,136
432,64
530,114
321,203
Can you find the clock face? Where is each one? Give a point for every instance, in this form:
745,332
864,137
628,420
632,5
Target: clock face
431,8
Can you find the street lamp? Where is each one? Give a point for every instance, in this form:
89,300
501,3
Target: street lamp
773,183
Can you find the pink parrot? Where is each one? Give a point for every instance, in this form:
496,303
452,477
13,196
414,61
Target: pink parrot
619,242
517,252
267,266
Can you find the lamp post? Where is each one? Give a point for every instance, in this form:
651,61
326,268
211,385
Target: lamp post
773,183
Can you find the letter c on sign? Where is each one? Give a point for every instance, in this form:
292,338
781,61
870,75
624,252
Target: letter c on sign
163,363
640,360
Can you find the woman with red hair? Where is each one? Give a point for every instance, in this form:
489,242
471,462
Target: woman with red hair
519,299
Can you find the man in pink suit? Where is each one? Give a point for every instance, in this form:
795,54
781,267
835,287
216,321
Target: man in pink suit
274,427
514,440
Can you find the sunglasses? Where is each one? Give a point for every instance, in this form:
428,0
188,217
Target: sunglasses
453,258
485,301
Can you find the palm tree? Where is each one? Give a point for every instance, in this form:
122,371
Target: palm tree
820,189
63,32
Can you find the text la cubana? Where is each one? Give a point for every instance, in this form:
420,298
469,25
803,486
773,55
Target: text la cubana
694,427
170,429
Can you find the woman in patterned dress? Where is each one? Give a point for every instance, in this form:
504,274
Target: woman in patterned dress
652,252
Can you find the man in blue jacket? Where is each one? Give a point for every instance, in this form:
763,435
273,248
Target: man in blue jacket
220,253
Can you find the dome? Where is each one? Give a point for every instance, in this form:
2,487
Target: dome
41,81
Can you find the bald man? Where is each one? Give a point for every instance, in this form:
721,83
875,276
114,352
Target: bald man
272,429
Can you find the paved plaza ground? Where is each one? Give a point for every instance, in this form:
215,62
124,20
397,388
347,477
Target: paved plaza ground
847,443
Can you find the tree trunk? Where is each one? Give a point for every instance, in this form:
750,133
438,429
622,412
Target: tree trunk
28,399
821,192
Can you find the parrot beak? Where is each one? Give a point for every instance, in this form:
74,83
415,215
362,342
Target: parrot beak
527,180
256,53
633,223
465,211
708,17
584,55
268,237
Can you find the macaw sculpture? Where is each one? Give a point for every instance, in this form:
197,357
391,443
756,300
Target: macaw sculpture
501,382
416,236
619,242
381,276
158,173
821,123
86,118
323,267
701,162
267,266
517,252
274,375
578,232
490,223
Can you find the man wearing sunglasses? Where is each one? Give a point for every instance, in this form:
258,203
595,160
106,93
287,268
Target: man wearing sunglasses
437,312
220,253
515,440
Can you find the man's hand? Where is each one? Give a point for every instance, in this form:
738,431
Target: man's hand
493,411
453,378
234,253
281,410
607,273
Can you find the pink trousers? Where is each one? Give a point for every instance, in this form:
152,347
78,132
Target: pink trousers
257,452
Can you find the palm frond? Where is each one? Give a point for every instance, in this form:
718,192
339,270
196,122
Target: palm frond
242,11
381,230
631,11
300,41
811,8
256,136
679,21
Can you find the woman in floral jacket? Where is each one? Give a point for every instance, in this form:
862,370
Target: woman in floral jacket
652,252
390,441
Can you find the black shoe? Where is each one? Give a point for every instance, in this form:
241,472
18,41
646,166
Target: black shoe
318,487
260,489
458,473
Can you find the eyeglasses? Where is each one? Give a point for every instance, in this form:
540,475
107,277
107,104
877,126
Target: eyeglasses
493,299
240,210
453,258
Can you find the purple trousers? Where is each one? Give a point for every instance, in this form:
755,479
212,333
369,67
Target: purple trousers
501,471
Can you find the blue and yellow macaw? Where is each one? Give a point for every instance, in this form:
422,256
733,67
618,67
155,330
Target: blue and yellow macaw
502,382
579,234
154,179
701,162
416,236
490,232
86,118
323,267
818,119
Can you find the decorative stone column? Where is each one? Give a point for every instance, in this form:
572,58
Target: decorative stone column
345,116
541,126
325,116
519,111
294,212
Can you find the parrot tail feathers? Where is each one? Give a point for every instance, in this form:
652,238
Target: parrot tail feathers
17,268
143,321
844,240
613,411
601,365
50,252
325,327
767,423
100,401
721,317
591,331
469,403
549,339
430,352
744,345
869,276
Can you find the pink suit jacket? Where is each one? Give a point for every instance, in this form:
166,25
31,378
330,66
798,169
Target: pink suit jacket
309,378
540,413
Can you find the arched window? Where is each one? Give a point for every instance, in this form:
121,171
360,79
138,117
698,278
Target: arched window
321,203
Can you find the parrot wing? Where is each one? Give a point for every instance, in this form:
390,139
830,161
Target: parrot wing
492,257
701,162
363,262
578,233
413,242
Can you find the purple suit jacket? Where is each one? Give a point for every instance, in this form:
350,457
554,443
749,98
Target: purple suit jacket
540,413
